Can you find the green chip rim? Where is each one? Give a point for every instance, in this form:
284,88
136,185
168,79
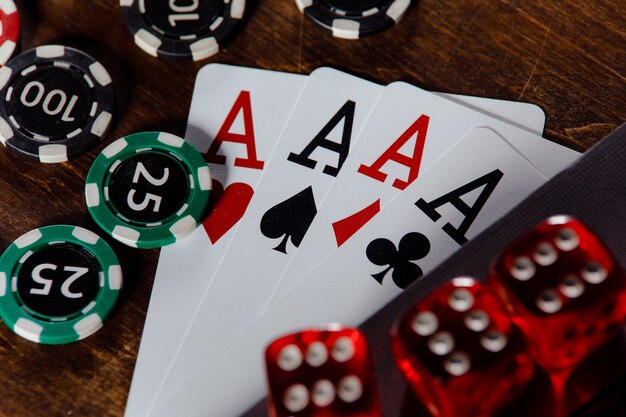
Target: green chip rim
56,331
148,235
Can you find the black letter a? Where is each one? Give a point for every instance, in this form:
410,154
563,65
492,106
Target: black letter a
347,113
489,181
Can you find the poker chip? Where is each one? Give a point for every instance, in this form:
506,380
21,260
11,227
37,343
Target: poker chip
148,189
193,29
58,284
349,19
9,29
56,103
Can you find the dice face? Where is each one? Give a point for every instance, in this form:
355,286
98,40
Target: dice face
459,351
321,373
563,289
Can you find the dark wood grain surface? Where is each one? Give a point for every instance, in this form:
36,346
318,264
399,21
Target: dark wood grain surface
569,57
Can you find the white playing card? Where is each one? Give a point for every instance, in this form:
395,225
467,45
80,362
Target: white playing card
238,114
522,112
332,105
232,381
523,115
396,144
186,269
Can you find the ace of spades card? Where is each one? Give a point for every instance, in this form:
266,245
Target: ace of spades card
310,153
417,230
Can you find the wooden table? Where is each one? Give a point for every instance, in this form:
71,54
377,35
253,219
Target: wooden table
569,57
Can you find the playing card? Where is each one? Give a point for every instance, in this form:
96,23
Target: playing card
314,145
234,99
236,117
396,144
299,203
471,186
526,116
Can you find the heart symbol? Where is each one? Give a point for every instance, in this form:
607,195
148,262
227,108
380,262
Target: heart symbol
230,206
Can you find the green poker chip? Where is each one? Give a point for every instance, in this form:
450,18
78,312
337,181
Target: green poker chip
58,284
148,189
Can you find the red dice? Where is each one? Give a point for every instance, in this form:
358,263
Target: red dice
460,353
563,289
321,373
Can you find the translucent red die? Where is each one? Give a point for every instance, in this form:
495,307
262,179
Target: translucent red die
321,373
460,353
563,289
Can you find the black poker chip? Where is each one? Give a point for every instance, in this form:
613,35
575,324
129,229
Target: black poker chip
193,29
353,19
57,102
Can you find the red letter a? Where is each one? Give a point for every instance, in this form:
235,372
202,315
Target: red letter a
242,104
419,127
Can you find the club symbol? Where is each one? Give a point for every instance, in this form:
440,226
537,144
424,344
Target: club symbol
412,247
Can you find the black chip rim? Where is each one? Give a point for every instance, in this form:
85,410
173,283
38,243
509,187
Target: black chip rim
366,22
57,149
206,43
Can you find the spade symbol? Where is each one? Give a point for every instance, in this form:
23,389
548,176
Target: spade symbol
290,219
382,252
